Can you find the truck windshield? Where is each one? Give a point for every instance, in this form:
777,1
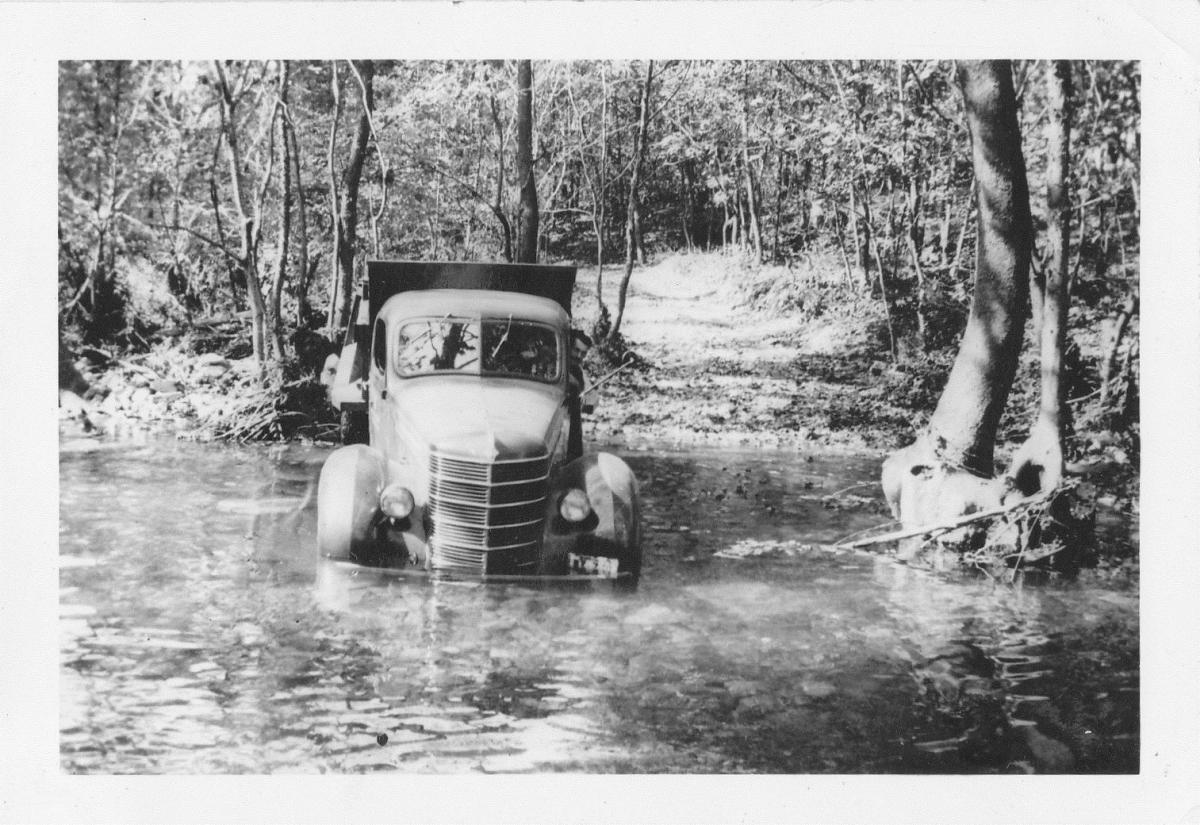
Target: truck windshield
491,346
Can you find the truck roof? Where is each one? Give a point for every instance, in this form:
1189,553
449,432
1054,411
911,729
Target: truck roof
388,278
472,302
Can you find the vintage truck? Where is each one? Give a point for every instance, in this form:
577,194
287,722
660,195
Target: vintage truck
459,384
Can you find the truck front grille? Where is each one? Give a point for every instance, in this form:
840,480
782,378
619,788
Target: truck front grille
486,517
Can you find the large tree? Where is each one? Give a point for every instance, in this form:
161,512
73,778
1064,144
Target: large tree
274,307
248,205
1038,464
345,196
948,470
635,177
528,216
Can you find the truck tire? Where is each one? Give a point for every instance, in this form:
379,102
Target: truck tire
626,524
348,504
354,428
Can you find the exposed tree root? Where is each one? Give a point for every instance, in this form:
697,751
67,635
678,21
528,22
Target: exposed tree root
932,530
1049,530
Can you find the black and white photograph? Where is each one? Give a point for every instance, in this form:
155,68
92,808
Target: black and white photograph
492,413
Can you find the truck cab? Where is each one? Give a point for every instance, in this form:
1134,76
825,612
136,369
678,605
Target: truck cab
460,380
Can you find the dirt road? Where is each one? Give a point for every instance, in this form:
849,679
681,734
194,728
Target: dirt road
721,372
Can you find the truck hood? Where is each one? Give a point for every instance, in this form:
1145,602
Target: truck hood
481,420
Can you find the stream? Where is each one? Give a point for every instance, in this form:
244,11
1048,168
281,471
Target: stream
199,634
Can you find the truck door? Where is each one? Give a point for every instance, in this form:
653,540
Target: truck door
383,429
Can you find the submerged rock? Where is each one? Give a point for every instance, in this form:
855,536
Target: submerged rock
817,689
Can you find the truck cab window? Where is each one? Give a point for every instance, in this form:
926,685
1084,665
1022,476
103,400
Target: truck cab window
379,344
520,348
438,345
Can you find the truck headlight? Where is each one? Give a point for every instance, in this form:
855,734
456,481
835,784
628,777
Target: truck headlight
396,501
574,506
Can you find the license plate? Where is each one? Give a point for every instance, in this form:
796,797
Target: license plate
602,566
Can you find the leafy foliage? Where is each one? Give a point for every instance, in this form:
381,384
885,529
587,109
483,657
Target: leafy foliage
826,184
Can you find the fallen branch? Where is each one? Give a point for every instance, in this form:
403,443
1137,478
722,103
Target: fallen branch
1083,398
138,368
852,487
843,541
628,362
953,524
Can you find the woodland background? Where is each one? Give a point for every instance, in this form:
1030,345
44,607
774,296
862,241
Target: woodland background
230,205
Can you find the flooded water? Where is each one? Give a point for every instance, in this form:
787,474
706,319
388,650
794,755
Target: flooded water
199,635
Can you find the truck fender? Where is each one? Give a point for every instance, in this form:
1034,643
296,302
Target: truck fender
615,530
348,502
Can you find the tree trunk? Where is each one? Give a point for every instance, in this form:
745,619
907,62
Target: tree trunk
334,199
600,207
970,407
868,243
778,205
1038,464
639,147
914,239
301,223
752,206
944,234
948,470
348,211
246,226
272,342
737,223
913,208
527,230
285,212
687,178
754,225
366,88
841,245
859,257
498,205
1109,363
638,245
435,220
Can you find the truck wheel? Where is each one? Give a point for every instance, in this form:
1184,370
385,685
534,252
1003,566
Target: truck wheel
354,429
626,515
348,504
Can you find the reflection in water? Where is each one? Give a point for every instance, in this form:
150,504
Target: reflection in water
194,639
